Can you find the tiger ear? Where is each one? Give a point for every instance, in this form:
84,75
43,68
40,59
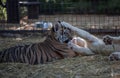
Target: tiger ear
53,29
56,27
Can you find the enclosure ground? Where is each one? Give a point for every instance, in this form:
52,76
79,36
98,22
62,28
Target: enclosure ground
96,66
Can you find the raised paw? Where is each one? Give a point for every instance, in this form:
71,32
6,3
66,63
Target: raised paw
114,56
107,40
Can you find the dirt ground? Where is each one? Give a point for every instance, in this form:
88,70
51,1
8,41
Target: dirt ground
96,66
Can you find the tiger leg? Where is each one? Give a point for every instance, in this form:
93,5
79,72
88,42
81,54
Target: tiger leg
95,41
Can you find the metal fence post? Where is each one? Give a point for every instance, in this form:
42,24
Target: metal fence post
12,11
33,9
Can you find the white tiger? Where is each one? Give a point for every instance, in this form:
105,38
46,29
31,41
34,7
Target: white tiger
92,44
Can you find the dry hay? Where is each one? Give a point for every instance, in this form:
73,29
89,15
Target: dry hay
79,67
96,66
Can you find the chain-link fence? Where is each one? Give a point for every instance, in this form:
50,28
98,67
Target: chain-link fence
93,15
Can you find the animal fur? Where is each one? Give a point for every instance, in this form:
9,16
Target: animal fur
95,44
37,53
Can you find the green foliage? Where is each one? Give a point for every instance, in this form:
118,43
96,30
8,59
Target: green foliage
114,6
80,6
114,3
3,12
23,12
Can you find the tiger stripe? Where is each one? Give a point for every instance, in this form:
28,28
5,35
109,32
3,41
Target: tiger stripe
37,53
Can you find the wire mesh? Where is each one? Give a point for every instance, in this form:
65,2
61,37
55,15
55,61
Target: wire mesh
85,14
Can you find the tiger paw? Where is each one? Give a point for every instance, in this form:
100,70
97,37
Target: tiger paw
107,39
114,56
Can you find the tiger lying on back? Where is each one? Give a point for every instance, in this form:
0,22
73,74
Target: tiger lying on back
37,53
107,46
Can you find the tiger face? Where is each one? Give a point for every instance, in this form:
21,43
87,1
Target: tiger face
62,34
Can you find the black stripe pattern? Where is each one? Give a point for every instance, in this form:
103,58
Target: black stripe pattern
37,53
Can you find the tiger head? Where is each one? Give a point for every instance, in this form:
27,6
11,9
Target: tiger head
61,33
